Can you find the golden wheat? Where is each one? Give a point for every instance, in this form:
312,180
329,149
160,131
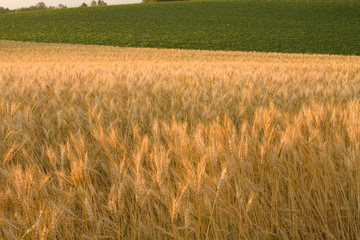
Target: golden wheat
122,143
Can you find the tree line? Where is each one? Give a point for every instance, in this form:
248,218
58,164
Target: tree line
94,3
42,6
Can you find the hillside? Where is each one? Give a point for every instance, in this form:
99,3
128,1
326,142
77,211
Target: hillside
328,27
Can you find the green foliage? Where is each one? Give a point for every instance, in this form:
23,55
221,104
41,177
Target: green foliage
5,10
323,26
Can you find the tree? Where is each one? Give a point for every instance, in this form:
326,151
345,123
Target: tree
83,5
38,6
5,10
101,3
93,3
41,6
62,6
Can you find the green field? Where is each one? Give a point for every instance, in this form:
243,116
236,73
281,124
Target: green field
328,27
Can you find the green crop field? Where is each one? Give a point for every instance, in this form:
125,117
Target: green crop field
328,27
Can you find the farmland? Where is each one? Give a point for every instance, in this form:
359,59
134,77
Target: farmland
126,143
322,26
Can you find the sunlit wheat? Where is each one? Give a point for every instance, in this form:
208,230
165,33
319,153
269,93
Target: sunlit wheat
121,143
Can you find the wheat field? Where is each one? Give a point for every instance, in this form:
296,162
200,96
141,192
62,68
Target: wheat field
125,143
